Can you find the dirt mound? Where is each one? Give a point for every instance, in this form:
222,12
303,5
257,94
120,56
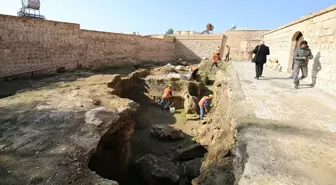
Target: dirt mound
164,70
216,133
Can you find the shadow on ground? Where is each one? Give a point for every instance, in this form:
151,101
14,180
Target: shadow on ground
276,149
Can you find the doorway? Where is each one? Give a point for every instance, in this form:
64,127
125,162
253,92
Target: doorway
296,40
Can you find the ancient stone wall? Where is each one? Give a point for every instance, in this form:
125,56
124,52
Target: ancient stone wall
195,47
319,29
28,45
242,42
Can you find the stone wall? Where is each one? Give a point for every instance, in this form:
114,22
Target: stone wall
28,45
242,42
319,29
195,47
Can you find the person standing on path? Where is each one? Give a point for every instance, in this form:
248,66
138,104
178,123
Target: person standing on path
302,56
219,49
203,104
227,57
261,53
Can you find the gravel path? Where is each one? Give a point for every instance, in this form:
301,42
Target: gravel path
293,140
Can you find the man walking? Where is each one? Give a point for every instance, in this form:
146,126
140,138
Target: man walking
302,56
227,57
261,53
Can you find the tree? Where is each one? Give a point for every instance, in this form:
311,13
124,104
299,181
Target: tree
170,31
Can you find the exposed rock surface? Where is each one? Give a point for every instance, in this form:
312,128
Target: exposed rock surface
191,104
215,133
157,170
193,168
204,78
55,127
166,132
127,87
190,152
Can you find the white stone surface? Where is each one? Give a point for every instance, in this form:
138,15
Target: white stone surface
293,139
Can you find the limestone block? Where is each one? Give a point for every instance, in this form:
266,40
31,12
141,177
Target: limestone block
331,31
269,63
274,60
332,14
333,78
324,17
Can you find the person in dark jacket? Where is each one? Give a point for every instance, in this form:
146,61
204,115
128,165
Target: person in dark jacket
261,53
302,55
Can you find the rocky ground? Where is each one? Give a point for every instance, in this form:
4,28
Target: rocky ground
58,130
48,130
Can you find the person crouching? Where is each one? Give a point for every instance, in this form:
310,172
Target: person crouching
167,93
204,103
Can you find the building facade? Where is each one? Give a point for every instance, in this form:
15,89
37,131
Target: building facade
319,29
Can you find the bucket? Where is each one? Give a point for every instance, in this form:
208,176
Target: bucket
172,110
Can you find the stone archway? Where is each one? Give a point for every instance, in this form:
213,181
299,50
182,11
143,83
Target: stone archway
295,43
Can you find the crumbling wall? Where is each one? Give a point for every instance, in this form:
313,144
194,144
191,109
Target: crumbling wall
195,47
32,44
242,42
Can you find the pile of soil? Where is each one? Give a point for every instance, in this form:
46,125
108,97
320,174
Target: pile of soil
163,70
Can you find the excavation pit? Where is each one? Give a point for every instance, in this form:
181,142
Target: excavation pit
158,132
102,123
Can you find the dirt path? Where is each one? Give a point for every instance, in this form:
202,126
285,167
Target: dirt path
292,140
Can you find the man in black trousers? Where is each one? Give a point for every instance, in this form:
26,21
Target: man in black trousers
261,53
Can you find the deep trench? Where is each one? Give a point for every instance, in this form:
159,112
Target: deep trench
108,162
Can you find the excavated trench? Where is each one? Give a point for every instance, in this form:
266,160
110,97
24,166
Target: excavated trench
154,146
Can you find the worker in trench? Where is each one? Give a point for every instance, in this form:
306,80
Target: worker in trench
193,71
214,61
167,93
204,103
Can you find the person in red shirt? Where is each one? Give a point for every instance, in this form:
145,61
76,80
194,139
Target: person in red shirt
167,93
214,60
227,57
203,104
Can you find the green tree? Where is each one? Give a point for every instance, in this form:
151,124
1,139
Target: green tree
170,31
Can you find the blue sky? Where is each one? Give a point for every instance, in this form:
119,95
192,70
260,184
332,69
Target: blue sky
156,16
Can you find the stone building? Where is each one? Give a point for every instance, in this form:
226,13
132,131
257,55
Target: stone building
319,29
242,42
